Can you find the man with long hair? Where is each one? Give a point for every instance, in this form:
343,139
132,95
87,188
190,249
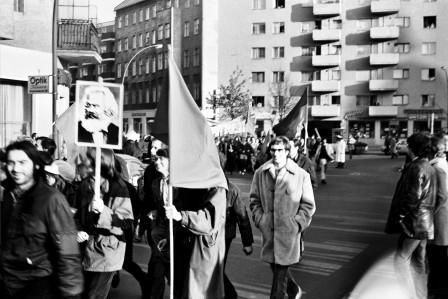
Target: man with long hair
39,253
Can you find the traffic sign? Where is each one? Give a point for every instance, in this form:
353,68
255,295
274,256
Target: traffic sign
39,84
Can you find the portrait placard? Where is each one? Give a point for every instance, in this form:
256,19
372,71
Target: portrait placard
99,114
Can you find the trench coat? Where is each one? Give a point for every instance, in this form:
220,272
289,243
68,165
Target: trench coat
340,151
282,209
205,275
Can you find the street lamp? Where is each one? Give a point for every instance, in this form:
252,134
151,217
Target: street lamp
156,46
445,70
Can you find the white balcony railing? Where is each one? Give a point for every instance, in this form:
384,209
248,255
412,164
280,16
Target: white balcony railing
385,6
389,32
326,34
383,85
384,58
325,111
383,110
325,86
326,8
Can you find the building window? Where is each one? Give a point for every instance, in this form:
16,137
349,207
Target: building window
278,27
118,45
119,22
140,40
258,28
279,3
165,60
154,93
119,70
430,22
258,4
196,26
147,13
402,48
154,11
147,66
196,57
258,101
160,32
140,15
400,99
160,61
428,100
140,67
153,64
134,42
278,77
134,17
429,48
257,77
147,38
306,51
186,59
19,6
403,21
258,53
428,74
401,74
147,100
126,44
187,3
154,37
278,52
167,30
126,20
186,29
134,68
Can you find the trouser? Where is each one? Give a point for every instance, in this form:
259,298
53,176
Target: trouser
283,284
229,289
158,269
129,265
438,271
97,284
39,288
410,263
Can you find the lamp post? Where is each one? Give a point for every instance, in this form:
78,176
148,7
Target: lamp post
445,70
156,46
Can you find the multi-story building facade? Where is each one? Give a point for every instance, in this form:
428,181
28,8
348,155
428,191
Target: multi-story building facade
107,50
373,67
255,36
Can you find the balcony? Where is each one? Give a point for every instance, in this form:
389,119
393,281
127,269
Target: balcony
385,7
108,36
325,111
383,110
326,8
325,86
328,35
108,56
78,42
383,85
384,33
108,76
384,59
326,60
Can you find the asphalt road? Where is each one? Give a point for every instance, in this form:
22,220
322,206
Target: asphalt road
344,240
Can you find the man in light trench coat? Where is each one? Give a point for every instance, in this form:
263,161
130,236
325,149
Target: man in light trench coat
282,204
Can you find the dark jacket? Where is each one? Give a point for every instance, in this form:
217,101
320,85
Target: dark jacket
237,213
39,239
306,164
412,208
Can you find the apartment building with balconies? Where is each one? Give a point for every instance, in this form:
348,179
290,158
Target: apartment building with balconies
255,36
107,50
141,24
372,67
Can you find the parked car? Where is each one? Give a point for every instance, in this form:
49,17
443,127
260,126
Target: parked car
402,147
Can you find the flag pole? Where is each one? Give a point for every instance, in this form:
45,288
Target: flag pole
306,121
170,186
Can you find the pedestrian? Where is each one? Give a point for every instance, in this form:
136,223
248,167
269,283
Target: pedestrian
282,204
437,249
236,214
351,145
40,257
102,222
46,144
411,215
324,156
199,247
340,151
393,147
297,155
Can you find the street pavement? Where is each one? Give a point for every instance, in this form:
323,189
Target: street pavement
345,238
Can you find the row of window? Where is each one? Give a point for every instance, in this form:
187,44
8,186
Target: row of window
260,28
260,52
149,12
259,77
138,41
261,4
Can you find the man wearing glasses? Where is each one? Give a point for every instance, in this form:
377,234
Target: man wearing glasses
282,204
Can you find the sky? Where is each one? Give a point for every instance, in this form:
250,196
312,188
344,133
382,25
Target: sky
105,9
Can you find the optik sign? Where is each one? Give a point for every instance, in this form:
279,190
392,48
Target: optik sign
39,84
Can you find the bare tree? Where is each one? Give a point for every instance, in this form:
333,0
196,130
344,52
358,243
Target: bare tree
232,98
283,101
